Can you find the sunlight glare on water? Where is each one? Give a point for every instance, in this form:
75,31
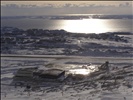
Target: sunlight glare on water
86,26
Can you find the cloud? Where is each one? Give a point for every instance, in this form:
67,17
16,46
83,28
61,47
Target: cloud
67,5
10,6
66,8
126,4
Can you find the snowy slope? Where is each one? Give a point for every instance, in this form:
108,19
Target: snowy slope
91,88
63,50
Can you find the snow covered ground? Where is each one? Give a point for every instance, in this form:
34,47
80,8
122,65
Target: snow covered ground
60,42
74,53
91,88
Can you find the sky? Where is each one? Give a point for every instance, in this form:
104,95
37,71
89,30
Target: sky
26,8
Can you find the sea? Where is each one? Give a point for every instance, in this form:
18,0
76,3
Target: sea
87,23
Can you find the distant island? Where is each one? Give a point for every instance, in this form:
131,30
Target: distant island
71,17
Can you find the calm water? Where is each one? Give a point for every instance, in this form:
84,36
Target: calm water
78,26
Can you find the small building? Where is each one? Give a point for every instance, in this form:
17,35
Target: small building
25,72
55,74
24,75
37,75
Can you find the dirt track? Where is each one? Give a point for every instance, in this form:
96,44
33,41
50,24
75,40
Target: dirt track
72,59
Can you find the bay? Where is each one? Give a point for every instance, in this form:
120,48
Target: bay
72,25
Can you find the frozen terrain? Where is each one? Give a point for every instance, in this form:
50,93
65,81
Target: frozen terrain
60,42
68,51
117,85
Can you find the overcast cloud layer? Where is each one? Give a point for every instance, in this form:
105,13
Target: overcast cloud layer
49,8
